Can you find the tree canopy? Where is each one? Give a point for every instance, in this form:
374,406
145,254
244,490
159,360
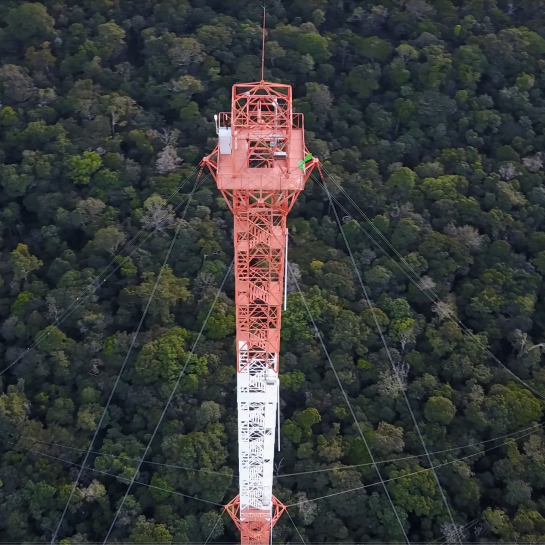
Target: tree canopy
429,119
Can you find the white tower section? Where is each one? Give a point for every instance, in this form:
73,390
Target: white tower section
257,391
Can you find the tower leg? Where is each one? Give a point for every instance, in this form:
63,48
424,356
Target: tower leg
255,525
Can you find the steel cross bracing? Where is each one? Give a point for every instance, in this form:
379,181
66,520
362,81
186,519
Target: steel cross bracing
259,167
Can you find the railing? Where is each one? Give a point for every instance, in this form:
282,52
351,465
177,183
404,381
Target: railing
224,119
297,121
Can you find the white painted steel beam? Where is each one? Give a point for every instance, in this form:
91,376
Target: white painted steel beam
257,397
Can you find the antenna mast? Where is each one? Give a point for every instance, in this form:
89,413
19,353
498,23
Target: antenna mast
263,45
260,165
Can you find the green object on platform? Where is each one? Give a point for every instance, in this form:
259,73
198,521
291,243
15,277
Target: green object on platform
302,163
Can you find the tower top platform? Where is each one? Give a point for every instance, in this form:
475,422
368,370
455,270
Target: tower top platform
261,141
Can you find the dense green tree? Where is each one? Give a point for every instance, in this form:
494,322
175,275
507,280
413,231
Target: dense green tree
23,262
363,80
416,491
81,168
440,410
29,20
169,291
147,531
167,356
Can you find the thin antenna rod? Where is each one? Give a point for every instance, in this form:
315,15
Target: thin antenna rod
263,46
278,414
286,275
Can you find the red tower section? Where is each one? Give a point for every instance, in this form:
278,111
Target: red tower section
259,166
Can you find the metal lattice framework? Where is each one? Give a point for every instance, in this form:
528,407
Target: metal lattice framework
255,531
259,167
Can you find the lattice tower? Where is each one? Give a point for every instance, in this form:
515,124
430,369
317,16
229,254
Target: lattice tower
260,165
